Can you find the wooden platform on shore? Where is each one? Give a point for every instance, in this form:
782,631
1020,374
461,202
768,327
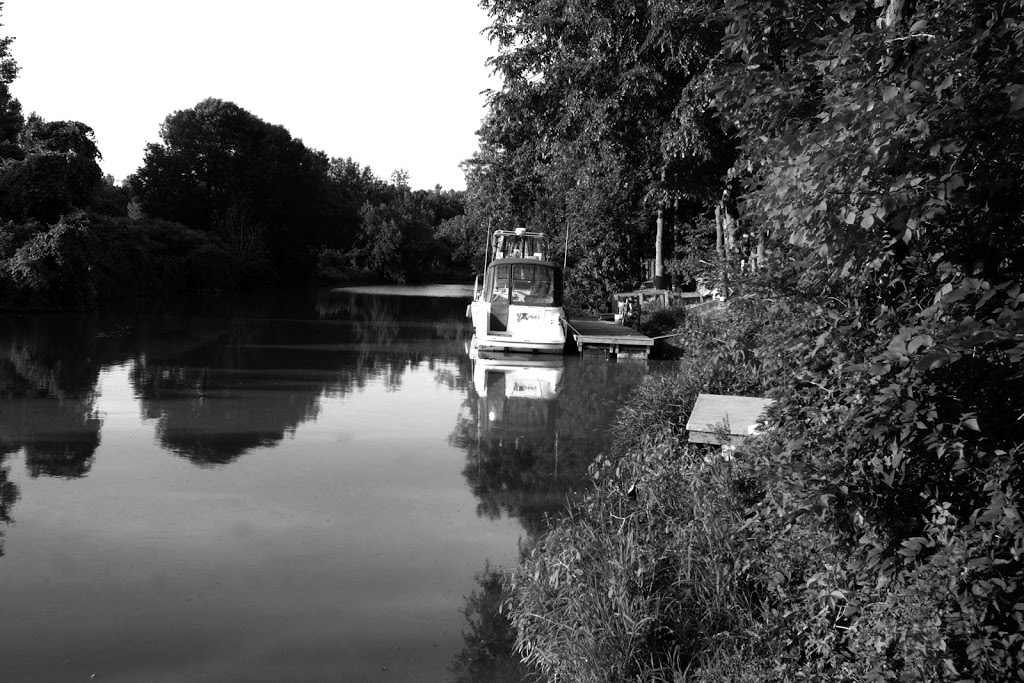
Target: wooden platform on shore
645,298
738,415
607,338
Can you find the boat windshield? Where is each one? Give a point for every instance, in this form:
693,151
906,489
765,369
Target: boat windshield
533,245
528,284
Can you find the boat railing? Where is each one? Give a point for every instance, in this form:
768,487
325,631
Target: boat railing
520,244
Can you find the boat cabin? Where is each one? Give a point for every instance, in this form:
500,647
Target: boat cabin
520,282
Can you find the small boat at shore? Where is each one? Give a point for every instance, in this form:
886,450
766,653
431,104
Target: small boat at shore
517,304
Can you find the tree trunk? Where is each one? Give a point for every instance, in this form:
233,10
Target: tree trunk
760,249
659,239
659,253
719,231
723,275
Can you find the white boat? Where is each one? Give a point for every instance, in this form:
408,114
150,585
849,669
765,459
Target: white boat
517,304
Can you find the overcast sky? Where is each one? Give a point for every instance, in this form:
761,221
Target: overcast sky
391,83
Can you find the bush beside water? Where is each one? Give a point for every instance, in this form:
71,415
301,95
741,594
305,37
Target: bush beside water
873,533
85,259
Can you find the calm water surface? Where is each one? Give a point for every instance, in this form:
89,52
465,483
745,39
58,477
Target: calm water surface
303,489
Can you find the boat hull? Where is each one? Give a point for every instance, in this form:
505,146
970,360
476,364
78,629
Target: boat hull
500,343
529,331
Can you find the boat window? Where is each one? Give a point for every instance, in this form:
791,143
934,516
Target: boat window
499,292
533,284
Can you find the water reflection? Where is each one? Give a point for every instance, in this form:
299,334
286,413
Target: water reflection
47,394
488,653
218,394
215,412
219,382
390,334
350,522
531,426
8,496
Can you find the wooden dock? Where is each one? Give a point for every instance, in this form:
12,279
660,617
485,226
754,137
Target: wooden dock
604,337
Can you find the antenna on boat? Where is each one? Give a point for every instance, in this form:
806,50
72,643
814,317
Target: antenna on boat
565,254
487,243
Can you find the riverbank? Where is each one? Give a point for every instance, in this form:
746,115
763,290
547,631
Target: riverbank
833,546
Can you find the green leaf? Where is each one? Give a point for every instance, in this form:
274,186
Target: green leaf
1016,95
921,340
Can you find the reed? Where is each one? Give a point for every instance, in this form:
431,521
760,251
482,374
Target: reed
641,580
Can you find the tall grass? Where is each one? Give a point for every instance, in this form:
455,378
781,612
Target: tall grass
643,579
649,577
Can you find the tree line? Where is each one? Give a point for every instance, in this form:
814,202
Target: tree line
224,201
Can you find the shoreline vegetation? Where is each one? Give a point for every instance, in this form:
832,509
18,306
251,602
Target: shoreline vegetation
871,533
848,174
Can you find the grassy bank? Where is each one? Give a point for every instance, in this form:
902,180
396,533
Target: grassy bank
873,533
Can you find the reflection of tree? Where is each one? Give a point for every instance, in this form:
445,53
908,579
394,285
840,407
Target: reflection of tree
212,415
219,387
47,393
488,651
220,376
526,456
8,495
391,334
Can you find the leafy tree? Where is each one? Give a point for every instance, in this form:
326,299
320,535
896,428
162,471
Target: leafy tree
112,199
461,239
52,268
57,171
217,161
11,119
882,147
871,144
58,137
602,105
349,186
396,238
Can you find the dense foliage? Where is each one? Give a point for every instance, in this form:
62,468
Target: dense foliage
603,122
874,533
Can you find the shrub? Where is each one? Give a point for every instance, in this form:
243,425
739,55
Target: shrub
52,269
874,533
662,320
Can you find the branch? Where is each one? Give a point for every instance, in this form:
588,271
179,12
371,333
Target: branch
911,37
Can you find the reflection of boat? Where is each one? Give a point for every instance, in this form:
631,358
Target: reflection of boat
518,307
517,392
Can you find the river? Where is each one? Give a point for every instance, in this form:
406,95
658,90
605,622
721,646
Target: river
299,488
